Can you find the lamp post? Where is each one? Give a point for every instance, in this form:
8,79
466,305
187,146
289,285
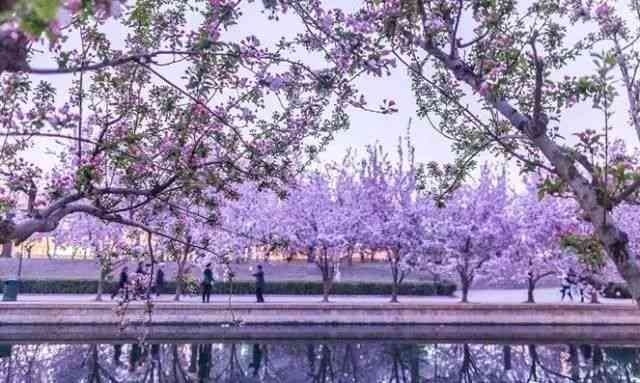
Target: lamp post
11,285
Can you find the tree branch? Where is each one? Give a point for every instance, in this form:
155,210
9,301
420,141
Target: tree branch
144,57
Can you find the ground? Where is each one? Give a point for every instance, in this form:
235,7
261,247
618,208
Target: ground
508,296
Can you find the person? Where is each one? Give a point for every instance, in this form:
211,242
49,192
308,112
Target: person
567,285
259,275
583,284
140,270
207,282
160,279
122,283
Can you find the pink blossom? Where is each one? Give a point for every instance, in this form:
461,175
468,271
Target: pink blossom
73,5
603,10
116,8
484,88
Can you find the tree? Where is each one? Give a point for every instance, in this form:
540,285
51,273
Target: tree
315,223
188,232
393,214
536,252
473,228
228,110
510,58
106,242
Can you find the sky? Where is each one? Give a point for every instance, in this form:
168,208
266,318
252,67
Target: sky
369,128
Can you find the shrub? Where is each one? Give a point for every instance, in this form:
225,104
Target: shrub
245,287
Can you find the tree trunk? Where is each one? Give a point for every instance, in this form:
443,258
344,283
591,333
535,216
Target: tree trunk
594,296
597,357
531,285
326,290
394,292
100,285
193,358
506,357
574,363
310,255
464,285
178,284
7,248
178,290
414,363
20,266
394,282
465,293
533,353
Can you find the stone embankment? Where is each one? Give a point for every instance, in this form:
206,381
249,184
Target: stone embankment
46,321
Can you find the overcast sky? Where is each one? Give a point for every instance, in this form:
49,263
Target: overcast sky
367,128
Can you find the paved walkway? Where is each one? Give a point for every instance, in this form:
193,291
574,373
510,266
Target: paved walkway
542,295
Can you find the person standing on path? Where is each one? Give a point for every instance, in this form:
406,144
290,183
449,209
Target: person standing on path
567,284
122,283
259,275
207,282
140,270
160,279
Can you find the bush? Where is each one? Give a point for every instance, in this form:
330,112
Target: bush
244,287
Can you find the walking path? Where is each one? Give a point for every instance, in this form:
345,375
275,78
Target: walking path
495,296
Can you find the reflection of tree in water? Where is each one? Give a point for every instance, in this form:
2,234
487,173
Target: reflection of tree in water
318,363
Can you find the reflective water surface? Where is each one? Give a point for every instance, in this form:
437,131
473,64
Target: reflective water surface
312,362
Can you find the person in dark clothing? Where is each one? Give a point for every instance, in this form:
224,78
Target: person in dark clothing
140,269
583,284
259,275
568,284
160,280
122,283
207,282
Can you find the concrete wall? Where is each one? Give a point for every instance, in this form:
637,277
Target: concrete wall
328,313
30,321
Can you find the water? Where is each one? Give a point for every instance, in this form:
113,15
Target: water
300,361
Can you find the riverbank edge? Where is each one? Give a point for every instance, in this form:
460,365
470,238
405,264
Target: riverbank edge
351,313
25,322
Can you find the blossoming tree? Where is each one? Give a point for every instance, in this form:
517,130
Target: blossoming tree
392,214
472,229
228,107
536,252
106,242
511,58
